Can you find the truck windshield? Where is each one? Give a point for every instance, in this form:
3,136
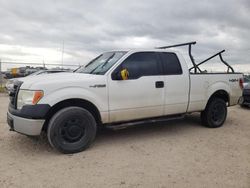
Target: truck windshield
102,63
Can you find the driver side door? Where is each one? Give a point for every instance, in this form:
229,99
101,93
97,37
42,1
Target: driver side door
142,94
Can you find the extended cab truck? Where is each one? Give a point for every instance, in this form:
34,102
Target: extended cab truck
116,88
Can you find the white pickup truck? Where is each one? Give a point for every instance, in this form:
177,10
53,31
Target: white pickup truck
120,88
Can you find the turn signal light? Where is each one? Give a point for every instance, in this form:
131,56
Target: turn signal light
37,96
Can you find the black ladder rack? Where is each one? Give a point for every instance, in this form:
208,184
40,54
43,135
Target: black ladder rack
196,66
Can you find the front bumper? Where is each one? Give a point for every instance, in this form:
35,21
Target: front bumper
29,120
32,127
244,100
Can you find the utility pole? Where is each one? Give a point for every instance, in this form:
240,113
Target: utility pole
62,52
1,76
43,63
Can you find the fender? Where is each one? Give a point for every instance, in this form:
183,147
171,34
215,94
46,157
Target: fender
100,100
216,87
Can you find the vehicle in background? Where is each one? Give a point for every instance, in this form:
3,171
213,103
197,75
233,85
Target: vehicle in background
119,89
246,80
9,84
21,71
245,99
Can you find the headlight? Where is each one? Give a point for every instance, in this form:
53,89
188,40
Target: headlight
28,97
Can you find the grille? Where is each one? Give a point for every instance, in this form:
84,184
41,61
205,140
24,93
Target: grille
14,92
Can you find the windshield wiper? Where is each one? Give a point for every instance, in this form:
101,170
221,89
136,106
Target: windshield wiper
105,63
94,69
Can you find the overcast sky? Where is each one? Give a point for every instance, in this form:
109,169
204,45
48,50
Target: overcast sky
33,31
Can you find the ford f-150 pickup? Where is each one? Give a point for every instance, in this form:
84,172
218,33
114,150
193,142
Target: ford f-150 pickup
120,88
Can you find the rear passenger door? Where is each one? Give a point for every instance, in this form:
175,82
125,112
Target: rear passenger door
142,94
176,81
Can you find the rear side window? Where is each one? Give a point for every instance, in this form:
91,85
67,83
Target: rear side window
171,63
141,64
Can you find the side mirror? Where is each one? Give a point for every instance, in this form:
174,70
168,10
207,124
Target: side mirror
124,74
120,75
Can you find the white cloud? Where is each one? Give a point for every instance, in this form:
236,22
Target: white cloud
34,30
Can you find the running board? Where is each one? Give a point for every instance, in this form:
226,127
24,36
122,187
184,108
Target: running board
123,125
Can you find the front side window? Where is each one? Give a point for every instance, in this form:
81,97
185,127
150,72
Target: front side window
141,64
102,63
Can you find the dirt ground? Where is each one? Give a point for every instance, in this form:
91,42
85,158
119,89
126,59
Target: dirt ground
172,154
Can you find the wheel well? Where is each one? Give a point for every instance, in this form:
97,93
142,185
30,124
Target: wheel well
222,94
73,102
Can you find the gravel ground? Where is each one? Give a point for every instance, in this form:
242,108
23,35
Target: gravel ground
172,154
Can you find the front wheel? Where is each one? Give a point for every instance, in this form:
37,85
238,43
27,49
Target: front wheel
215,113
71,130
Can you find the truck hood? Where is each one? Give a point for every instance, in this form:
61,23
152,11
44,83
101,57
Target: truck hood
59,80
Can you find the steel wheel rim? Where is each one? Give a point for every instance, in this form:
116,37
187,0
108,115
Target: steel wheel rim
218,113
73,130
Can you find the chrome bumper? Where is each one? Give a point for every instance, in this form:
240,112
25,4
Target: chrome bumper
32,127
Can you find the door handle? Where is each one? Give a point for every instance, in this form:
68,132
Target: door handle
159,84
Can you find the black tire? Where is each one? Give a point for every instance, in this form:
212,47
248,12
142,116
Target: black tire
215,113
71,130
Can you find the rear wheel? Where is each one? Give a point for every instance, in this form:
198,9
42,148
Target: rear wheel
71,130
215,113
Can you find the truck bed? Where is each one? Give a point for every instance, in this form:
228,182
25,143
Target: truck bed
203,85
